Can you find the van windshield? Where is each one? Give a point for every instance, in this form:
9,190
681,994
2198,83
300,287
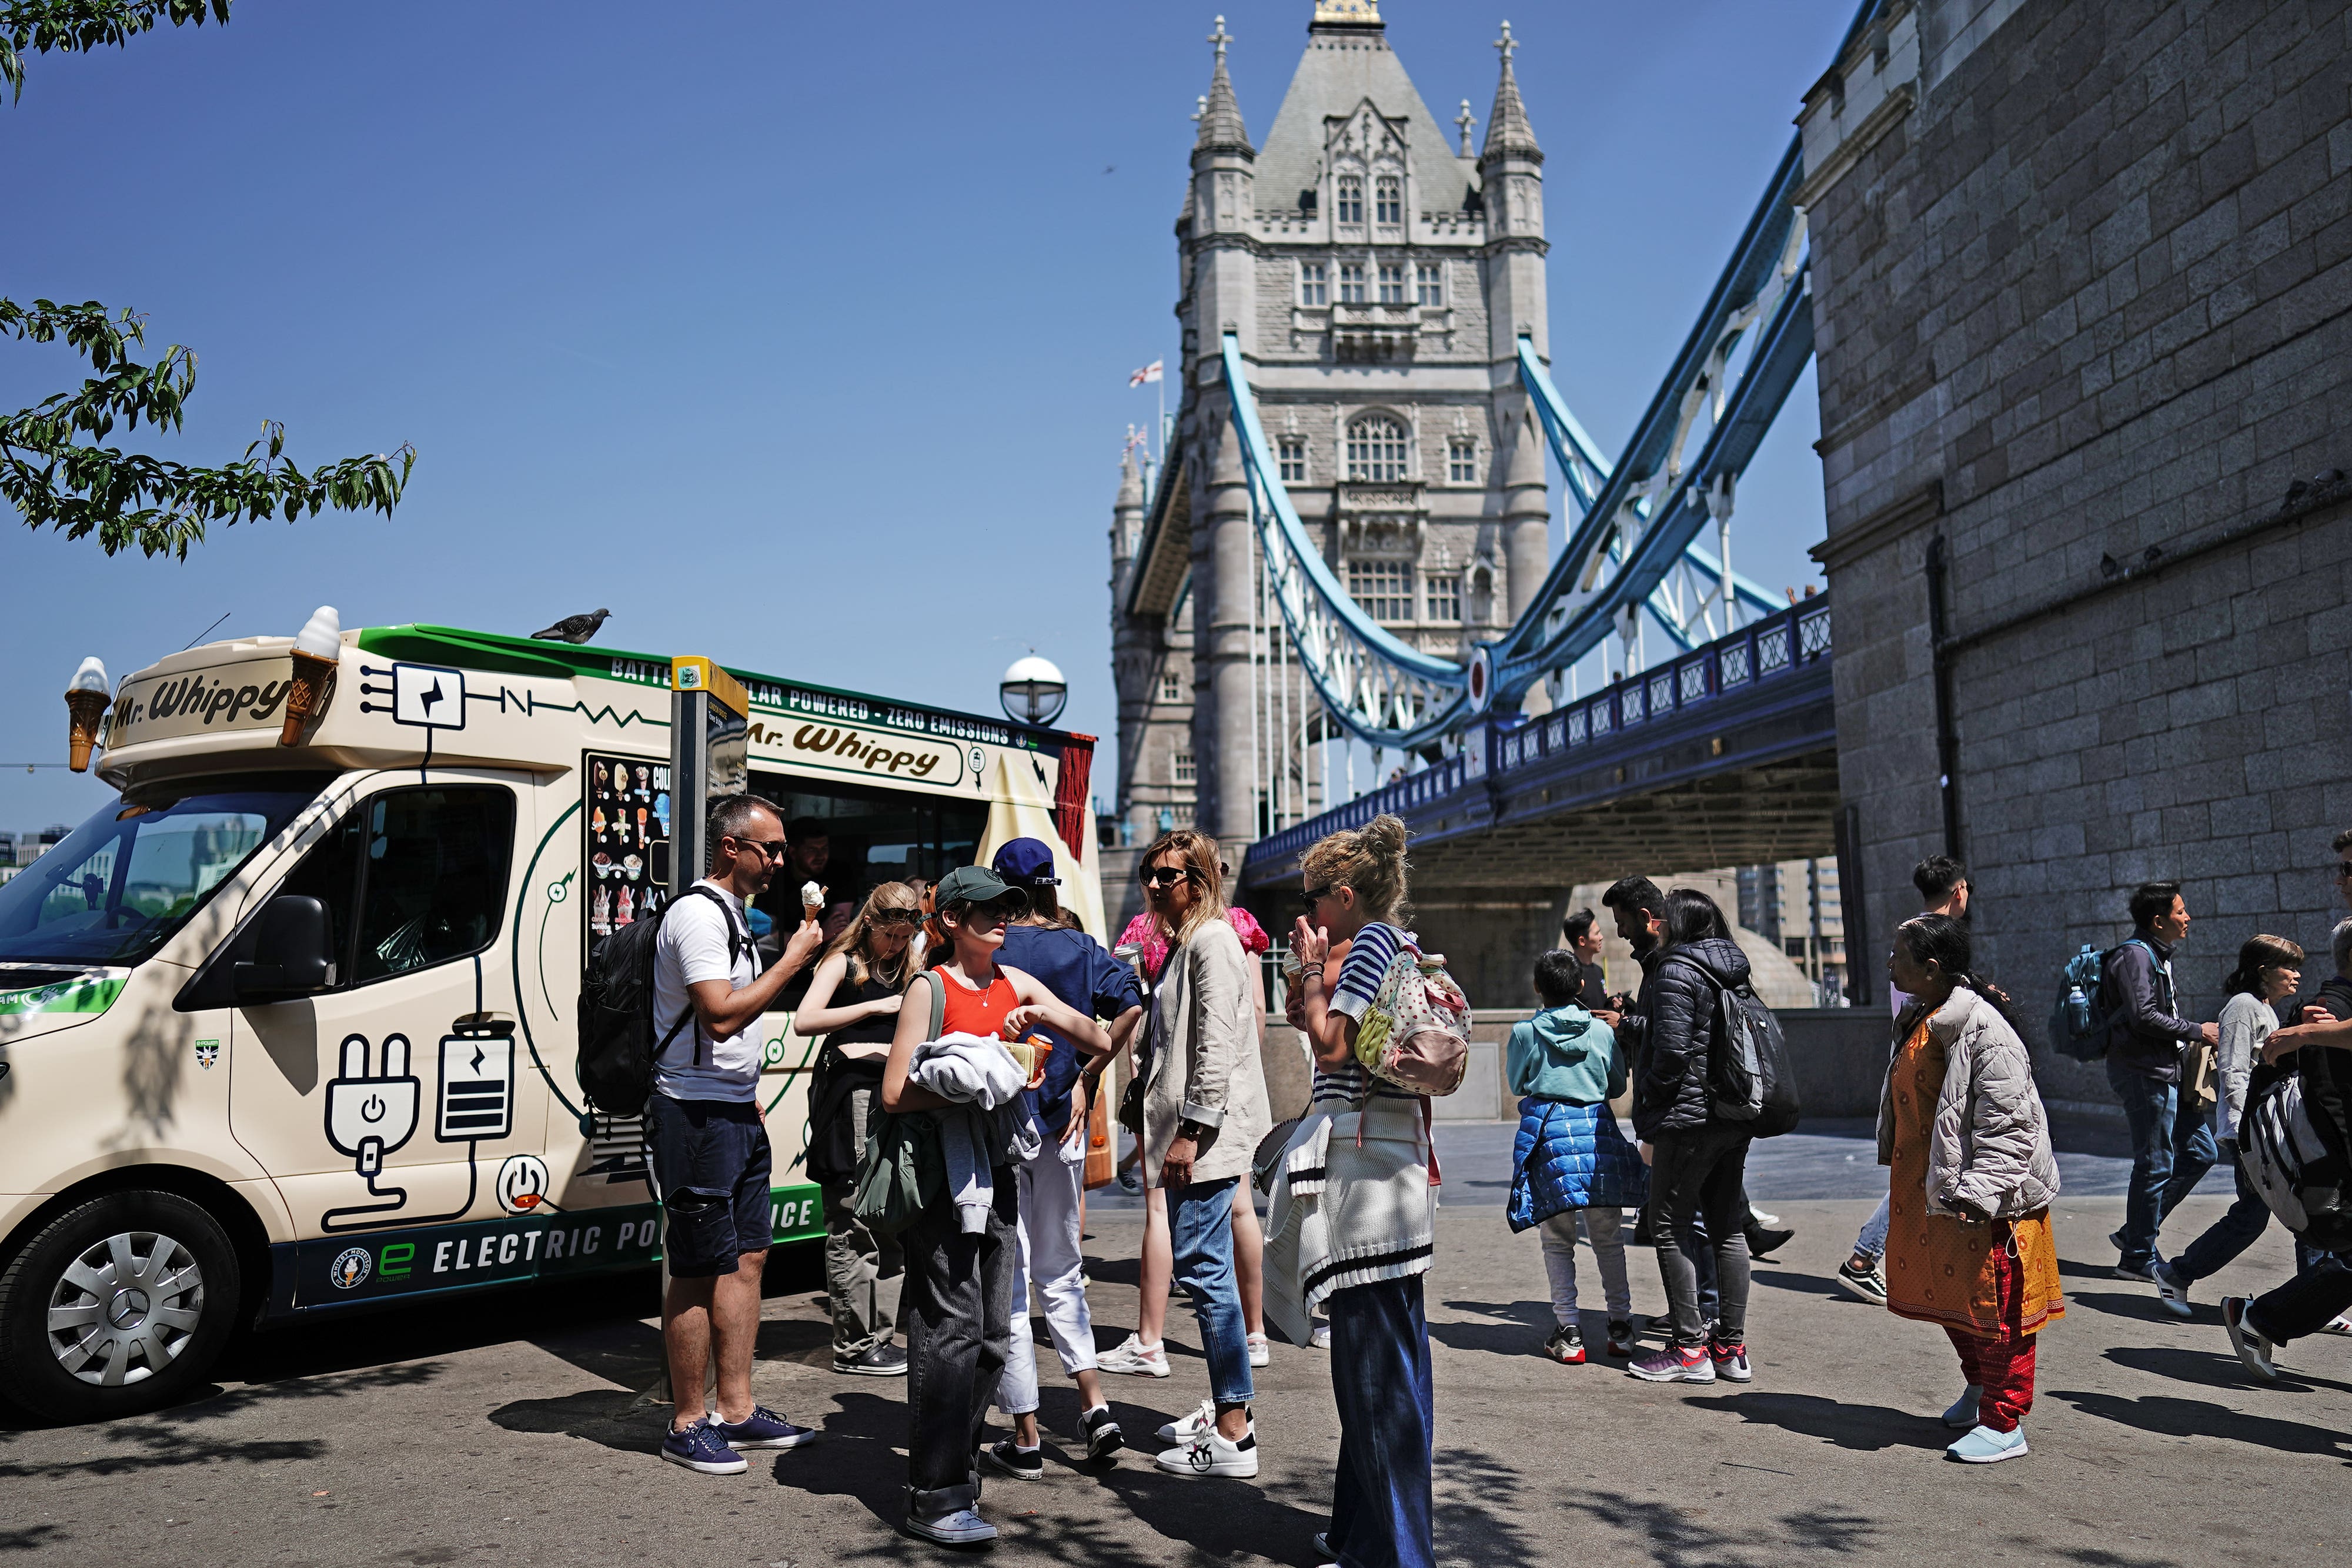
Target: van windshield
118,887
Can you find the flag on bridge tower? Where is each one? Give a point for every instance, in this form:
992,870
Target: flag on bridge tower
1149,373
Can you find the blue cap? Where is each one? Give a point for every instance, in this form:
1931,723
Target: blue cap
1028,861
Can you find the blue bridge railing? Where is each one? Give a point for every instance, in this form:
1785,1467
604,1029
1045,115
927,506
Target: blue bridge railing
1742,665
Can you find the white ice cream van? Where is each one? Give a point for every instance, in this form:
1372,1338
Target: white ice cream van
217,1110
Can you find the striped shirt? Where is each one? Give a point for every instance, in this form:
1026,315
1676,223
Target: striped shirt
1360,982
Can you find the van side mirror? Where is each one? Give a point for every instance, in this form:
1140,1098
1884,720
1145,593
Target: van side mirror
293,951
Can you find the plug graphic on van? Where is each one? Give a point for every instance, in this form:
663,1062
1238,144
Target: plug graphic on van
372,1116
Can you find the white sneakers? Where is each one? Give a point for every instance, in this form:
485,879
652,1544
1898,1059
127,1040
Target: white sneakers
1132,1358
1188,1428
1261,1351
1208,1454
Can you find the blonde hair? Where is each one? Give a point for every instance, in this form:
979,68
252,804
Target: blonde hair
1202,868
852,942
1370,859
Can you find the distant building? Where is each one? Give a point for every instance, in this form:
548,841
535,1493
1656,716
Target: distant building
1796,904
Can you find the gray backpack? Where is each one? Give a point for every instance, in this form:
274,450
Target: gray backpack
2277,1147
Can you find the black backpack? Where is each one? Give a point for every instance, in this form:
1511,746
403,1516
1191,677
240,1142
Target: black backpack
1748,1081
617,1044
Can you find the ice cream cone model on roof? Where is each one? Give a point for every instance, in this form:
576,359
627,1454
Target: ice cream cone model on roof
87,699
317,648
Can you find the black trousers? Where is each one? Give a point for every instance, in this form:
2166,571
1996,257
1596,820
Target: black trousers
2306,1304
957,1301
1695,1175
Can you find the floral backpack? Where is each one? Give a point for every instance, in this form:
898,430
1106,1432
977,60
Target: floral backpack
1416,1034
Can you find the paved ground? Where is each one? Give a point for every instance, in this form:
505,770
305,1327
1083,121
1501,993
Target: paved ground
506,1429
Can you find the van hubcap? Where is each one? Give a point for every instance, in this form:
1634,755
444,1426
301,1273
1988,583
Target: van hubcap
124,1310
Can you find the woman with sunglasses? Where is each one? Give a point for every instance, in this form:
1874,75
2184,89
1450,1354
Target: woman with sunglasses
866,968
1144,1353
1358,1232
958,1296
1204,1109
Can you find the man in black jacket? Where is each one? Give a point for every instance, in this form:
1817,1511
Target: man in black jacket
2172,1135
1640,912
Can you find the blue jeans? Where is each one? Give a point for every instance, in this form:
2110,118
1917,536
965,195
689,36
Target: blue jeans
1200,1232
1871,1242
2228,1236
2172,1148
1380,1381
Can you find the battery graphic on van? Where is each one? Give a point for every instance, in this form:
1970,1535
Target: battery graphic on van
477,1088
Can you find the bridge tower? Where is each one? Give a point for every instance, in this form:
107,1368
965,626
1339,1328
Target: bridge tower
1377,273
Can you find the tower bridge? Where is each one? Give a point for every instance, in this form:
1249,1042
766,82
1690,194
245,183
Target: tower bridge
2077,278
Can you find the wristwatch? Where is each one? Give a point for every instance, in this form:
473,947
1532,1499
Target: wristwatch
1192,1129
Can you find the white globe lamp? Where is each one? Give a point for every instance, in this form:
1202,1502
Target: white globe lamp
1032,691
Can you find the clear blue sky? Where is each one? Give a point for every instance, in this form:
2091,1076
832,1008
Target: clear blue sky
797,335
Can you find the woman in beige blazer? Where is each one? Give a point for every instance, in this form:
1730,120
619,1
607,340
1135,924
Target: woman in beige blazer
1204,1109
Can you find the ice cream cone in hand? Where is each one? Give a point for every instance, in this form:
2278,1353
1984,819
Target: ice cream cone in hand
812,902
316,650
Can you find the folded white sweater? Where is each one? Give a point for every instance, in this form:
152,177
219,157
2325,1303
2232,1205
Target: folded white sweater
990,1124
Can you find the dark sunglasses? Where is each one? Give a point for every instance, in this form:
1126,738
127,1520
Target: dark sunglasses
897,917
1164,875
1314,895
2343,870
775,849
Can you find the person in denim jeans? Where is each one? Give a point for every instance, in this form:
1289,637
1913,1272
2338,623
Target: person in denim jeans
1204,1109
2173,1138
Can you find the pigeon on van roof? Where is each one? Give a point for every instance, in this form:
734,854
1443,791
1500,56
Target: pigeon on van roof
575,628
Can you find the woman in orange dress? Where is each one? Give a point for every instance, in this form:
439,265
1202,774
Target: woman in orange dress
1968,1243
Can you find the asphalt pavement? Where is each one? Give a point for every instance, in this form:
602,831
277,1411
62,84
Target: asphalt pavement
509,1429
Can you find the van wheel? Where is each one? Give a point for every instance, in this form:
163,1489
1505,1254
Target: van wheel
118,1305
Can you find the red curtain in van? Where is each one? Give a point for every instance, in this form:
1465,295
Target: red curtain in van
1070,804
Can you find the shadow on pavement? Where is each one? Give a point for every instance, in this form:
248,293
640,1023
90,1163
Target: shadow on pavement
1678,1536
611,1417
2170,1418
1771,1273
1865,1429
2212,1369
31,1538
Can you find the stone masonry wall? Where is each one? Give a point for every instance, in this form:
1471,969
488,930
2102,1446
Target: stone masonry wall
2086,309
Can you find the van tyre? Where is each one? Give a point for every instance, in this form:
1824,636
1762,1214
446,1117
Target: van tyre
118,1305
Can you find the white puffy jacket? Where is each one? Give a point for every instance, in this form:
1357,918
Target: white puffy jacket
1990,1142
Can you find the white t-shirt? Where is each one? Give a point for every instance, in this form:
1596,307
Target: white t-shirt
694,946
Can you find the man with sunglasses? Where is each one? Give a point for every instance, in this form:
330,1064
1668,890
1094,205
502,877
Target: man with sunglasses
709,1149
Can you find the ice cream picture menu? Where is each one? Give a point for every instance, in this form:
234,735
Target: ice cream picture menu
625,814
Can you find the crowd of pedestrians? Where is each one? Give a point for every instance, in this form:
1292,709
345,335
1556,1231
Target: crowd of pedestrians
966,1029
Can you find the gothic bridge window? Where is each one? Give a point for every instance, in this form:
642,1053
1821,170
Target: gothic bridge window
1351,200
1388,201
1376,450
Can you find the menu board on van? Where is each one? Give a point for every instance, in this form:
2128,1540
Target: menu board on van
626,813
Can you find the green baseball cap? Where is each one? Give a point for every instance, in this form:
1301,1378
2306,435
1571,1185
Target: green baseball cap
975,884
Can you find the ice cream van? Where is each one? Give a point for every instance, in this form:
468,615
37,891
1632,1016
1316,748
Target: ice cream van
287,1028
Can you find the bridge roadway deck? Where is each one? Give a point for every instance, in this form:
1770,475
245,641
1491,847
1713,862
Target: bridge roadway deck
1722,756
506,1430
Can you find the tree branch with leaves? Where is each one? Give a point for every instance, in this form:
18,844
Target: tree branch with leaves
52,469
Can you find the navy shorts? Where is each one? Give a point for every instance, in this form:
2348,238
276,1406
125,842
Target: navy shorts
712,1161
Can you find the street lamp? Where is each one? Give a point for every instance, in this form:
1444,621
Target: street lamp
1032,691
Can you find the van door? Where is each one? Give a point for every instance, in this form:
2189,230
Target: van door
395,1100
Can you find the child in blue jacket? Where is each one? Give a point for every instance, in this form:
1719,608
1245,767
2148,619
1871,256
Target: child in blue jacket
1571,1157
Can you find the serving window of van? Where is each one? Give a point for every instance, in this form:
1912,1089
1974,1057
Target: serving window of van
411,878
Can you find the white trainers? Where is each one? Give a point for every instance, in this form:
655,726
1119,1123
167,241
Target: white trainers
1261,1351
1132,1358
1319,1336
1188,1428
1211,1455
